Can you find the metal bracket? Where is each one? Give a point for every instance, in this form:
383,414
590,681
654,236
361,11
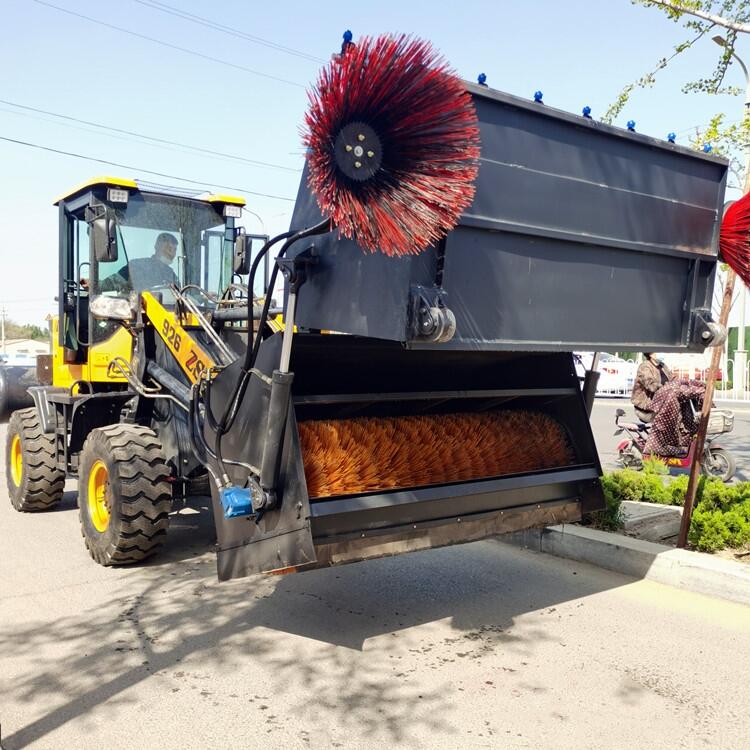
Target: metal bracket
295,270
705,331
431,320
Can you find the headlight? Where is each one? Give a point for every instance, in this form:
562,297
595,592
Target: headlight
232,211
111,308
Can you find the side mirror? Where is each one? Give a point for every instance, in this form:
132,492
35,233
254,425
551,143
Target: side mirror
242,256
620,412
102,232
104,238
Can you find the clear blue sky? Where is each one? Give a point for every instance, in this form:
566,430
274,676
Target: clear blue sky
576,52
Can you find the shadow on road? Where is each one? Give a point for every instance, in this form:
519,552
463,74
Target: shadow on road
173,610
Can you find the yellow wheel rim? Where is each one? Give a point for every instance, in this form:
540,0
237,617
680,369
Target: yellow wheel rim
99,505
16,460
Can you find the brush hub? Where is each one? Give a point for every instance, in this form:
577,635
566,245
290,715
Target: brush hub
358,151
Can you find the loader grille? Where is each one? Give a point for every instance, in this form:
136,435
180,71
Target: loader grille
369,454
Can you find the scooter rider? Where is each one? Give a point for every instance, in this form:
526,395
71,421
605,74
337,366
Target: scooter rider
652,374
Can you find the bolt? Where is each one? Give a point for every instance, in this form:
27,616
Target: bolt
358,151
348,147
370,154
706,335
360,137
357,164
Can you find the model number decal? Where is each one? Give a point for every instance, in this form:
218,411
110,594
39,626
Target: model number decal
171,335
194,365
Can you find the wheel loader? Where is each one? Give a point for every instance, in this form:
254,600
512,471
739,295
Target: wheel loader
382,404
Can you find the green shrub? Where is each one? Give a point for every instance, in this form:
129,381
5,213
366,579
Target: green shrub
721,517
678,489
655,466
718,496
655,491
708,530
609,519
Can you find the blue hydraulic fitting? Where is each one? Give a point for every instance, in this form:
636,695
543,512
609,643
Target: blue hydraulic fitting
587,112
482,79
236,501
672,137
631,126
538,97
707,148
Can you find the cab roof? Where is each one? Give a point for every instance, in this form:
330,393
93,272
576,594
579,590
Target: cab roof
128,184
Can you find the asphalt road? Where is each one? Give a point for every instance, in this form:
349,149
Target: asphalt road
603,426
478,646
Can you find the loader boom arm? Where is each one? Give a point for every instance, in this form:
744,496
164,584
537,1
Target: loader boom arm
191,357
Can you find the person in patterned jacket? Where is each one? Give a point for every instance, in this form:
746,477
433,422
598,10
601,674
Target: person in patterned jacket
675,421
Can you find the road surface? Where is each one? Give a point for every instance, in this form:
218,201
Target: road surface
478,646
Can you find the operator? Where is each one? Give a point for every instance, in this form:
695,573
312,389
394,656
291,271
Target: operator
652,374
145,273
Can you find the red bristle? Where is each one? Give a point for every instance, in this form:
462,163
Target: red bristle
427,126
734,238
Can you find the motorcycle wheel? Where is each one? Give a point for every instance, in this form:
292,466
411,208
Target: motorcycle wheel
629,460
720,464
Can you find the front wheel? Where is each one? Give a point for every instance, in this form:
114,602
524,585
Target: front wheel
719,463
34,480
124,494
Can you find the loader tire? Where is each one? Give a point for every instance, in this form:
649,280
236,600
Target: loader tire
34,481
124,494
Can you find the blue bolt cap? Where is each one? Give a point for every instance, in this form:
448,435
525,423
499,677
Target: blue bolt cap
482,79
347,36
586,111
707,148
672,137
631,125
538,96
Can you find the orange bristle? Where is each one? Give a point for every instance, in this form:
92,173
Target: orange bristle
367,454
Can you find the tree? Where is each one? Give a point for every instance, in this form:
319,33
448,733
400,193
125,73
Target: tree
24,331
699,18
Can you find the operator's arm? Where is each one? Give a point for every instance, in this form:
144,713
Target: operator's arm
117,282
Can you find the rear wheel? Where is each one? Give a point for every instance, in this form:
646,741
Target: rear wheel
719,463
34,481
124,494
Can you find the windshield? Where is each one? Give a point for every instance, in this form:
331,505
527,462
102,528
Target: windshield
163,240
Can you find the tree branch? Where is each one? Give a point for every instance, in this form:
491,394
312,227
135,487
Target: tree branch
679,7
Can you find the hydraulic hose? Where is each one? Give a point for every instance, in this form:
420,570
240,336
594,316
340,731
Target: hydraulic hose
253,342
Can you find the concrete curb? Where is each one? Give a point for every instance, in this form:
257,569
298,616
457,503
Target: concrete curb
694,571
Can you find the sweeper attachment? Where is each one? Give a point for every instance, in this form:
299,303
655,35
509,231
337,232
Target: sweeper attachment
415,387
451,411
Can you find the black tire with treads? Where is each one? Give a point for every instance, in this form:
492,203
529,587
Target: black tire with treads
139,494
41,482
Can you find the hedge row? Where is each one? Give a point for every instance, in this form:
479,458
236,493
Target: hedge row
721,517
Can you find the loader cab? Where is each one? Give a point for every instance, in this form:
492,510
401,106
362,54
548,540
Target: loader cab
118,239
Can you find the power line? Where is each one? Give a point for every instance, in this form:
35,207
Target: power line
169,45
140,169
152,138
207,22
